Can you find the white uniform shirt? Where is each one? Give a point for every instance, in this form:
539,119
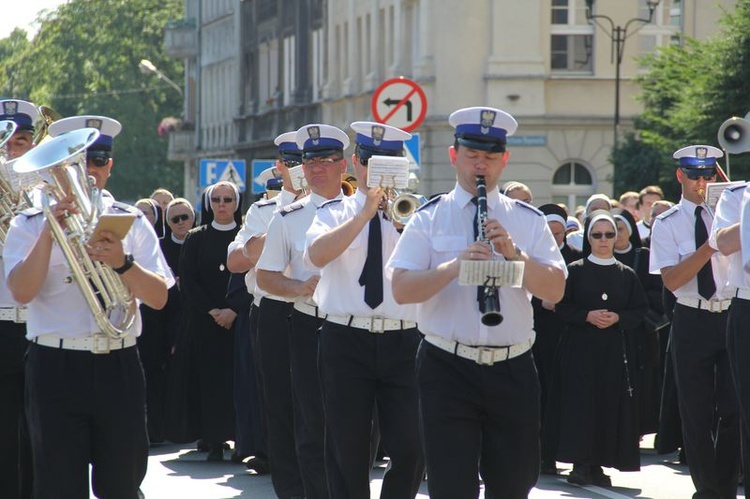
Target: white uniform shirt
6,299
339,291
285,241
643,230
727,213
257,219
59,307
442,230
673,240
745,229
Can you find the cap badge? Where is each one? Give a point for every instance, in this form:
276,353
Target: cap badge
94,123
701,152
488,118
10,107
314,133
378,132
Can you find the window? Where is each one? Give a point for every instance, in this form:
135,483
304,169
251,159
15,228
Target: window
289,69
572,184
571,37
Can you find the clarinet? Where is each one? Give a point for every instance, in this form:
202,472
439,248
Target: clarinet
489,303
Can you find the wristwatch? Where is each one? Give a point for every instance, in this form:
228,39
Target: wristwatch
129,261
517,256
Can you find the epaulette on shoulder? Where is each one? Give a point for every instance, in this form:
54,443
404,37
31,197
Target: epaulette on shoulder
669,212
127,208
291,208
529,207
330,202
31,212
433,201
737,187
265,202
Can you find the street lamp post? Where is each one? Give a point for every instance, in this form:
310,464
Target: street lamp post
147,66
618,34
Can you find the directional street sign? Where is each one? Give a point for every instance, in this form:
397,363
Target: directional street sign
399,102
413,151
258,166
215,170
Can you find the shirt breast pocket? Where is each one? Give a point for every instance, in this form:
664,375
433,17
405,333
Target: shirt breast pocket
447,247
686,248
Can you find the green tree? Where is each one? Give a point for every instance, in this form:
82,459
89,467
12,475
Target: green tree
84,60
687,92
11,50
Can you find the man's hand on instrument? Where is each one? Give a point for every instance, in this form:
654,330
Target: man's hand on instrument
500,239
107,249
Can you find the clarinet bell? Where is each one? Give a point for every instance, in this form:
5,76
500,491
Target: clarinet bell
491,315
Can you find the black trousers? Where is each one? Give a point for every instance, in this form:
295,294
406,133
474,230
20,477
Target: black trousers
357,370
15,448
273,338
479,415
706,395
309,423
250,432
738,347
86,409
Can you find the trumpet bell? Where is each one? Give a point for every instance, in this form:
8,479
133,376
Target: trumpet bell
348,184
56,151
734,135
404,206
7,129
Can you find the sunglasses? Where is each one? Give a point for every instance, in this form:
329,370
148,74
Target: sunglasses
321,161
695,174
98,161
225,199
180,218
599,235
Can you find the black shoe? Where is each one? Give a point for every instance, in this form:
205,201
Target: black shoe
259,465
581,475
216,453
681,457
237,458
549,468
599,478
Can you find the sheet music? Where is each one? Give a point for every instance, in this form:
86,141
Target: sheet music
714,190
388,172
504,273
18,181
298,177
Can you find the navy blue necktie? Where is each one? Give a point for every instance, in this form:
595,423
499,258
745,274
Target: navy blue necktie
706,284
372,272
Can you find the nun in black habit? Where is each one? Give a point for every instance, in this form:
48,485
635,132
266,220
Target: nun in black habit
203,281
603,303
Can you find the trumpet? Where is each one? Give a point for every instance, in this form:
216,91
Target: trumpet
490,298
401,206
61,162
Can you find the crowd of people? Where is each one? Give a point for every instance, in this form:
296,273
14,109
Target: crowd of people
318,331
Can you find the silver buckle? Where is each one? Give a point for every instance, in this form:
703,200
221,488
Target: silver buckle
377,325
20,315
481,352
714,306
100,343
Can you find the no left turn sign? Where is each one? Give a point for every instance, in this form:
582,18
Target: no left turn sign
399,102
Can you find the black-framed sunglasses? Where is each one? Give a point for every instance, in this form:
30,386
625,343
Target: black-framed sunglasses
225,199
695,174
599,235
98,161
180,218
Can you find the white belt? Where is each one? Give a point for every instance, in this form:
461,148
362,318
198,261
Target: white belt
714,306
15,314
308,309
98,343
485,356
372,324
742,293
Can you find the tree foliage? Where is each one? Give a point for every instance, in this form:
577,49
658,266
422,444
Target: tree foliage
84,60
688,91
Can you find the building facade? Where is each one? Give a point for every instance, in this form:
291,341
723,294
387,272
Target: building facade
264,67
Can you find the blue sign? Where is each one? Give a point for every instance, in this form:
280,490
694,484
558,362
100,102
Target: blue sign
215,170
413,150
527,140
258,166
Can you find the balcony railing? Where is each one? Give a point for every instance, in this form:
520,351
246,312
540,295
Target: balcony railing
181,145
181,38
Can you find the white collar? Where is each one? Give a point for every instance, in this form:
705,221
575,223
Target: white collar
626,250
223,227
601,261
175,240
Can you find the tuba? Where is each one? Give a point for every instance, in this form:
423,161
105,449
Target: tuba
61,163
8,195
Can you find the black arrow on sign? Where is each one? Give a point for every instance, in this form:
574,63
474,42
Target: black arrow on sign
392,102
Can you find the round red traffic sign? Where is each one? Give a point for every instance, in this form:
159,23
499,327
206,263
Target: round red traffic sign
399,102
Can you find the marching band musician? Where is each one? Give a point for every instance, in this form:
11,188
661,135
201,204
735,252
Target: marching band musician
696,274
725,238
367,342
479,391
268,334
85,393
282,272
15,453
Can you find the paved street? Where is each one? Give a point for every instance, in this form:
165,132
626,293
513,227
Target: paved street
178,471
